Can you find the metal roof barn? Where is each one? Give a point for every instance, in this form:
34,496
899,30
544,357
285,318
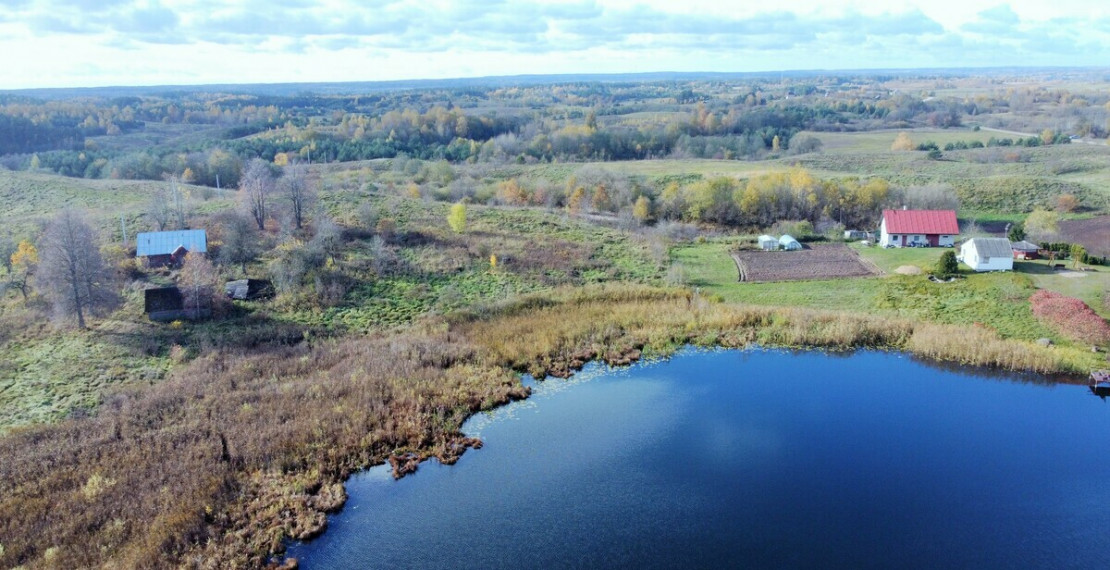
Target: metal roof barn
164,243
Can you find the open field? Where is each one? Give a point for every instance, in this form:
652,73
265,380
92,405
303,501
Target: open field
818,261
880,141
1091,233
32,198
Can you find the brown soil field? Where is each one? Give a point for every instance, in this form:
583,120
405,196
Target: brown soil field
823,261
1093,234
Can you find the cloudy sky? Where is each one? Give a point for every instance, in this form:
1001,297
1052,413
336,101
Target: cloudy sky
64,43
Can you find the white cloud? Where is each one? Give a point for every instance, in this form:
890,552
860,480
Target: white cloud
191,41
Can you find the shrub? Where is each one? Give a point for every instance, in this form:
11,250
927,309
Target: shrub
947,264
1070,317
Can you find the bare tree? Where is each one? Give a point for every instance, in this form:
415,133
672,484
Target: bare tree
72,273
159,208
197,280
167,205
240,241
256,186
7,248
295,187
177,202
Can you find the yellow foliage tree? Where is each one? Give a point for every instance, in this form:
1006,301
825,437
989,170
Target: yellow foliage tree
457,218
576,200
24,260
511,193
641,210
601,200
903,142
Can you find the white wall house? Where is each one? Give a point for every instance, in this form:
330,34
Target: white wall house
918,228
987,254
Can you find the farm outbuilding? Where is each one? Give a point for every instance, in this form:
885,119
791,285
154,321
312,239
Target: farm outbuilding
789,243
249,289
170,248
1025,250
987,254
768,243
168,304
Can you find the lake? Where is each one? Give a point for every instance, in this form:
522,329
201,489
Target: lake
756,459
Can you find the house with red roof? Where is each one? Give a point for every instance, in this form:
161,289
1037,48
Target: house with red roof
918,228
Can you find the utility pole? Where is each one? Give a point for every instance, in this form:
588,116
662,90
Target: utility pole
123,228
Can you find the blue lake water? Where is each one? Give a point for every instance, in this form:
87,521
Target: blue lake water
753,459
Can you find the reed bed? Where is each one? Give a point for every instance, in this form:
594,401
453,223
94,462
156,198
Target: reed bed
241,450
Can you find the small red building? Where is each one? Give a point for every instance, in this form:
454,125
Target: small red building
1025,250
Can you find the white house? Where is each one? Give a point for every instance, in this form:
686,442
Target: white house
768,243
987,254
918,228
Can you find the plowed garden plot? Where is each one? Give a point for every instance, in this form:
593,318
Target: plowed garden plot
1093,234
824,261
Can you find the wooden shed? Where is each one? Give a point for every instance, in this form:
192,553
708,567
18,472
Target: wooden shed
168,304
249,289
1025,250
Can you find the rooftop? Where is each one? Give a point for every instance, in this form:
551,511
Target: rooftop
164,243
921,222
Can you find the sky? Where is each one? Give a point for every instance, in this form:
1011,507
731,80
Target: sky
86,43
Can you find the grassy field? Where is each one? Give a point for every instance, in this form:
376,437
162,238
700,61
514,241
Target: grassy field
880,141
31,198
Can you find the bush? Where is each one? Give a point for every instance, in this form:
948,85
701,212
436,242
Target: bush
1070,317
947,264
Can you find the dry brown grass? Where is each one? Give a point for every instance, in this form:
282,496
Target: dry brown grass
242,449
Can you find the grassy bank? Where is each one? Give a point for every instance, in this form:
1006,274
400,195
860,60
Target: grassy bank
261,439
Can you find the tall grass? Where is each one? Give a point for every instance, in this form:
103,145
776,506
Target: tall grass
244,448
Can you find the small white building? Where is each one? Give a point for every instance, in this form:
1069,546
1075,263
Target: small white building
768,243
987,254
918,228
789,243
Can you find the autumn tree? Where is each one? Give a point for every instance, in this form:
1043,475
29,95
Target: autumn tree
576,201
1042,224
1078,254
298,192
641,210
72,274
1067,203
255,187
903,142
21,264
197,280
457,218
601,201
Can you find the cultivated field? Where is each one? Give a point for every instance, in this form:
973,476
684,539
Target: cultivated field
823,261
1092,233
